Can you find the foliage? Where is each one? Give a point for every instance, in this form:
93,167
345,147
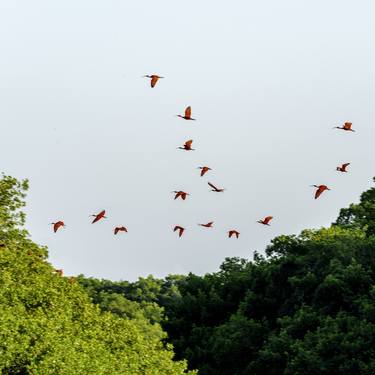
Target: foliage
48,324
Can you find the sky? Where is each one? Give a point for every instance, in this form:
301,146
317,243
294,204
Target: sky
266,80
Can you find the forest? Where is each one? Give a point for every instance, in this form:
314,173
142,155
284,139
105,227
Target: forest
305,306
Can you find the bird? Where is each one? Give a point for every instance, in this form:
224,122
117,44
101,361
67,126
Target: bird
204,170
215,189
187,146
180,230
181,194
154,79
187,115
59,272
99,216
347,127
233,232
120,229
343,167
208,225
266,220
320,190
58,225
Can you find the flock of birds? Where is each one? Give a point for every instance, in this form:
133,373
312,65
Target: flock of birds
187,146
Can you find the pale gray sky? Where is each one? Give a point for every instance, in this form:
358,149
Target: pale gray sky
267,81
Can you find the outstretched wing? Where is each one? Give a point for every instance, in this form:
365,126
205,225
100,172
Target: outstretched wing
188,143
212,185
267,219
188,112
154,79
318,192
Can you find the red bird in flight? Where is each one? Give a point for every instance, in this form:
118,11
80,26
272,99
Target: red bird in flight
215,189
120,229
154,79
181,194
233,232
320,189
187,115
204,170
347,127
343,167
99,216
266,220
58,225
208,225
187,146
180,230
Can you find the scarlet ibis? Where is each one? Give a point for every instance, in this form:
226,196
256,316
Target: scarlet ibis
347,127
204,170
233,232
180,230
208,225
343,167
181,194
99,216
215,189
59,272
320,189
266,220
58,225
154,79
187,115
120,229
187,146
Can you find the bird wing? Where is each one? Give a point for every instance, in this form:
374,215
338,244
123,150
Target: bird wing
318,192
154,79
116,230
212,185
188,143
181,232
345,165
237,234
203,171
230,233
268,219
210,223
347,125
188,112
176,228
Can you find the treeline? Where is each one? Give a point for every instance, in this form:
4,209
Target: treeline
306,307
48,324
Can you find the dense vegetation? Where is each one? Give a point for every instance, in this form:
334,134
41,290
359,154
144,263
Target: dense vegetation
307,307
48,324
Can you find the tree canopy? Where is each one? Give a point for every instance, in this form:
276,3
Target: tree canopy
48,324
306,307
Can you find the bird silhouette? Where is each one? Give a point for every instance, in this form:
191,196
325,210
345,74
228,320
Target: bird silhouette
204,170
343,167
180,194
233,232
266,220
187,115
120,229
187,146
154,79
58,225
208,225
320,189
215,189
99,216
347,127
180,230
